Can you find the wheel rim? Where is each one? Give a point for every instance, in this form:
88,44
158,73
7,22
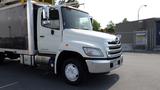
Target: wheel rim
71,72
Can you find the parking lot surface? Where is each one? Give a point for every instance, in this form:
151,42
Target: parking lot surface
140,71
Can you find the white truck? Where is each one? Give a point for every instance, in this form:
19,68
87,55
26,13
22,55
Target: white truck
60,36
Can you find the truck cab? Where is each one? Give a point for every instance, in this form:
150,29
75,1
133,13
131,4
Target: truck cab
67,32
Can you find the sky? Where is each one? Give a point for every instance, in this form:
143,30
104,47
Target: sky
105,11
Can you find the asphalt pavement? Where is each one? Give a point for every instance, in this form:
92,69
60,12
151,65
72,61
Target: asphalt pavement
140,71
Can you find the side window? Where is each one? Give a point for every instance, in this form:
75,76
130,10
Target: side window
53,22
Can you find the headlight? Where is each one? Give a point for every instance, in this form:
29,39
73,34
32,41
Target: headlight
93,51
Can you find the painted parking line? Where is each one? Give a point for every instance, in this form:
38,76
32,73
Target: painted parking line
8,85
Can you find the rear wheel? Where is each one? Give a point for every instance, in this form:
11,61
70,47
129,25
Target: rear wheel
73,71
11,55
2,56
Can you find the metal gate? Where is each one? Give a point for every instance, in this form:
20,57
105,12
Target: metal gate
158,34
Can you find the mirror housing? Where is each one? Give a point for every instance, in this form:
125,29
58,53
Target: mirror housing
46,22
46,12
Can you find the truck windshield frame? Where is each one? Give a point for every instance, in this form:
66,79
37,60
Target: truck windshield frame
75,19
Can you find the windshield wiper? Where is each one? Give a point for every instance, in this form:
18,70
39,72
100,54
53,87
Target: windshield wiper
79,28
85,28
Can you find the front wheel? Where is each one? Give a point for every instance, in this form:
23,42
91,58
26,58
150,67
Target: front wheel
73,71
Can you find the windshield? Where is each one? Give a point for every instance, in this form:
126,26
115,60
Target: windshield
75,19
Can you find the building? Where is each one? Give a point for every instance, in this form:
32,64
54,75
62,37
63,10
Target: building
140,35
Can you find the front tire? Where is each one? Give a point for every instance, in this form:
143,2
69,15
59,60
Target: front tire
73,71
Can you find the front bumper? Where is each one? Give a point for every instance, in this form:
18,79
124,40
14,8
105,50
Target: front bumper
103,66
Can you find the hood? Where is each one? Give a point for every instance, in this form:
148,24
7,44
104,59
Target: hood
88,35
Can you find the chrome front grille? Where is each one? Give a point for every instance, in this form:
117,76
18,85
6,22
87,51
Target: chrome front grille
114,49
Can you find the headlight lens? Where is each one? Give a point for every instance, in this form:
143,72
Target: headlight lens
93,51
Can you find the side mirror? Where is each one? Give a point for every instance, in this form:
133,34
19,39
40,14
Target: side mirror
46,23
91,18
46,12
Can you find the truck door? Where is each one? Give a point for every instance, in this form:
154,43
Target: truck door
48,32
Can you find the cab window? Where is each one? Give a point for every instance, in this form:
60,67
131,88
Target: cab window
53,22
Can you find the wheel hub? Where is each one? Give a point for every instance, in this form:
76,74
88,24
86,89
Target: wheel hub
71,72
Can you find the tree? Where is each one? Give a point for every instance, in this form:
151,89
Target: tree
124,20
96,25
110,27
73,3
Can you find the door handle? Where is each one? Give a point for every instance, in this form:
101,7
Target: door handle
42,36
52,32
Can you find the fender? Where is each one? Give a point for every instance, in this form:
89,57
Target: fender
73,46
